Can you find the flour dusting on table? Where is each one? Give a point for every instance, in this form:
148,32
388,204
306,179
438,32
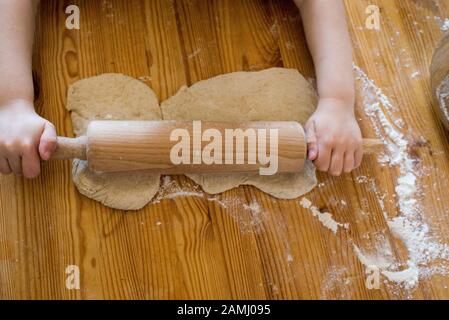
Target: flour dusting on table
170,189
443,94
444,25
249,217
325,218
408,225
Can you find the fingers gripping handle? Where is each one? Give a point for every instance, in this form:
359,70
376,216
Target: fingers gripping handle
71,148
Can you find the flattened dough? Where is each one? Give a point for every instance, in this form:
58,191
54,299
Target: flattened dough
113,97
272,94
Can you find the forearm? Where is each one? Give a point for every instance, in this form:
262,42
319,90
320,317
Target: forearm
330,45
16,45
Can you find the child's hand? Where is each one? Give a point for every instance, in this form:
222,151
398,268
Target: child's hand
25,139
334,137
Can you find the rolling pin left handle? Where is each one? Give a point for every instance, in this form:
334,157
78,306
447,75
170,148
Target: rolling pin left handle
71,148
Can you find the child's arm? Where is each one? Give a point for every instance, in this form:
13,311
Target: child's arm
335,141
25,137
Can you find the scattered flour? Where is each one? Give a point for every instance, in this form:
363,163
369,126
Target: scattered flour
445,25
324,217
378,259
408,277
443,94
194,54
184,194
415,74
336,284
170,189
253,207
220,202
250,218
408,225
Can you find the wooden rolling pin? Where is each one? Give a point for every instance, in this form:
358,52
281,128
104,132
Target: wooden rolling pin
117,146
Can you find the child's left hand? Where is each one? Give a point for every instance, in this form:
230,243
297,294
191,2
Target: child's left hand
334,137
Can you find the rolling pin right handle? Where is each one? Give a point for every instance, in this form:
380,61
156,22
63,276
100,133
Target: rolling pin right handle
71,148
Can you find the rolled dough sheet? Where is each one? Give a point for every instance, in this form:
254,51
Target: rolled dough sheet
272,94
113,97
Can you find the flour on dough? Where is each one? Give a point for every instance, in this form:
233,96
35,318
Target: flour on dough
272,94
113,97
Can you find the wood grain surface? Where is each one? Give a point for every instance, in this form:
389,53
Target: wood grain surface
242,243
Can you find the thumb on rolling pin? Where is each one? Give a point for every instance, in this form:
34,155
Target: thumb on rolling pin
312,148
48,142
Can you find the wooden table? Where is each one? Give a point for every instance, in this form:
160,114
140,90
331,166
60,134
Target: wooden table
193,247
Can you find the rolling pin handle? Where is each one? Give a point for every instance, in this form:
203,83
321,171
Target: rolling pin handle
71,148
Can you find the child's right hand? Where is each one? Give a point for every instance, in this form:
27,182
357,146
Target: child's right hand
334,137
25,139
